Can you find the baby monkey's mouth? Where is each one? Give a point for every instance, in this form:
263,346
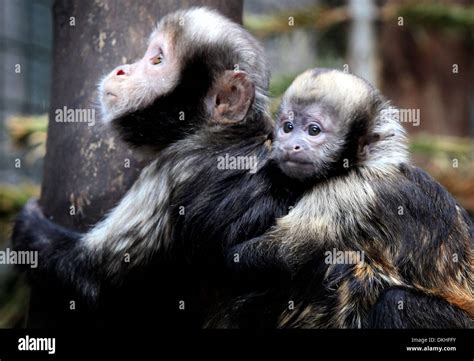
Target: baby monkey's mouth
297,163
294,160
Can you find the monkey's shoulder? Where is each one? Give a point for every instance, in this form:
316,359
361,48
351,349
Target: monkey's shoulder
418,181
417,195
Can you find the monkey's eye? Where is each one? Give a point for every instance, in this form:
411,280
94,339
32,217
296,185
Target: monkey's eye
157,59
314,129
288,127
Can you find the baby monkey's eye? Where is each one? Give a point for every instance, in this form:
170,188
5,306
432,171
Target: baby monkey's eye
314,129
157,59
288,127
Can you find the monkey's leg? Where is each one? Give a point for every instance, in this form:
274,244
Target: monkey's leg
253,311
399,307
337,296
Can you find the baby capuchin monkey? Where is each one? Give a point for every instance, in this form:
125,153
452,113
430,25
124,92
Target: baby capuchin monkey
372,223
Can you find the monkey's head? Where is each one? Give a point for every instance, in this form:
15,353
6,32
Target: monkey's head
330,121
200,68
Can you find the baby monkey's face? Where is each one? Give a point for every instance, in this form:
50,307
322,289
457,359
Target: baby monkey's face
307,140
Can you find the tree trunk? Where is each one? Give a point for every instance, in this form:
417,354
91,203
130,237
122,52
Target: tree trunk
86,169
362,51
431,70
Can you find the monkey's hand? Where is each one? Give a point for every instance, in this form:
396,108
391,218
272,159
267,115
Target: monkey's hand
53,247
29,237
58,250
28,231
258,254
34,232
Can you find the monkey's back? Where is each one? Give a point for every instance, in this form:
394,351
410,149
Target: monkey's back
412,234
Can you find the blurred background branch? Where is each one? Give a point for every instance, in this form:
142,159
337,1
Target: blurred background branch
452,17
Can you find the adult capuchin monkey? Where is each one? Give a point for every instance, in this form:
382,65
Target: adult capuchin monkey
376,242
199,96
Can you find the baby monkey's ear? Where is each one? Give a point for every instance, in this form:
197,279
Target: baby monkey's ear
367,144
230,98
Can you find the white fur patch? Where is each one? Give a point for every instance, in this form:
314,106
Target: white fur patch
139,224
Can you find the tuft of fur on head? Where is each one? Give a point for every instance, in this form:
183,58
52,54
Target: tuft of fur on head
370,135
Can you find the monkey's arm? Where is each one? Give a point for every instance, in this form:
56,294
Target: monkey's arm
58,253
267,252
259,253
131,232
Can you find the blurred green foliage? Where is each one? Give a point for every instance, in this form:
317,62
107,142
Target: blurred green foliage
28,134
438,15
432,14
14,196
14,298
27,130
443,146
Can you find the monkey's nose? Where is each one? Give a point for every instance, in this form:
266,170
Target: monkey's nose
123,70
296,148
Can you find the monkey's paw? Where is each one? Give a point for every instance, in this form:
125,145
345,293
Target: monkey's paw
27,231
248,256
262,255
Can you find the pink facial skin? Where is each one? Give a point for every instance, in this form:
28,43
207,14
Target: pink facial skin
134,86
304,139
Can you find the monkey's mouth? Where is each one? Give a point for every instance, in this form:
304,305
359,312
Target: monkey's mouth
110,95
297,163
297,169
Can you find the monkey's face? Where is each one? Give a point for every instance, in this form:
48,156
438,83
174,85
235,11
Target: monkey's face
200,69
307,140
130,87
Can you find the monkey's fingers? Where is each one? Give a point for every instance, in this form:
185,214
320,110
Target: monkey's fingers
28,234
33,207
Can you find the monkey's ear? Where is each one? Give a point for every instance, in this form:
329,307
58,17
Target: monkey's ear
231,97
366,145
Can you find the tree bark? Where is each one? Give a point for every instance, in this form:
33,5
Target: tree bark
86,168
430,70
